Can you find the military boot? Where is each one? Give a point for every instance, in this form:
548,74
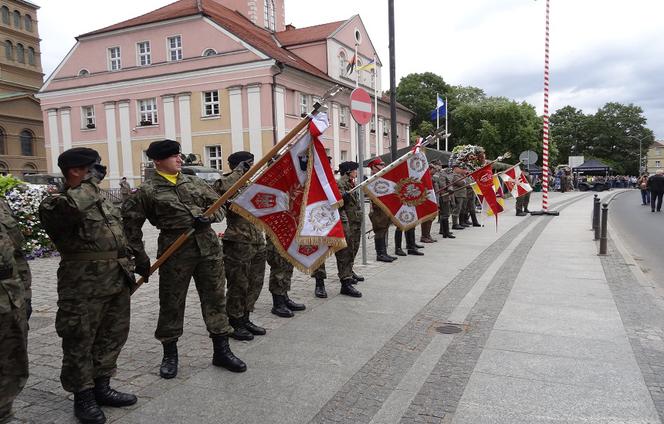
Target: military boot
169,363
446,230
381,251
239,330
398,235
426,233
357,277
106,396
223,356
294,306
279,307
411,246
253,328
86,408
440,231
319,291
348,289
455,223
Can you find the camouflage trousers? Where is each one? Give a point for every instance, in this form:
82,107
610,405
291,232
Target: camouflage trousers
522,202
93,332
14,354
174,278
458,206
380,223
346,256
245,271
281,271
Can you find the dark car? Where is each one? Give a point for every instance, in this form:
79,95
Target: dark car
594,186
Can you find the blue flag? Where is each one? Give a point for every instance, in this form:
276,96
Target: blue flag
439,112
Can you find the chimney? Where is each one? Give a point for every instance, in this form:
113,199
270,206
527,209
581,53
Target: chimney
290,27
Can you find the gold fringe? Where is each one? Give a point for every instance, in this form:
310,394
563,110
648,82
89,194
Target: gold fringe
376,201
328,241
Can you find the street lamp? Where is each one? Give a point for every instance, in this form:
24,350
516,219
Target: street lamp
640,159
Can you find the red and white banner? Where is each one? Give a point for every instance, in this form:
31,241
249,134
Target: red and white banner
405,192
485,183
295,201
516,182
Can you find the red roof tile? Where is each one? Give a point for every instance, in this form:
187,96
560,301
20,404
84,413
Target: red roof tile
305,35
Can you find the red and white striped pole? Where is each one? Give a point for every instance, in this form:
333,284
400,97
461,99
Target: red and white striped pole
545,126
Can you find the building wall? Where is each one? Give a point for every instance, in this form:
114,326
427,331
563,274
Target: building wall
655,156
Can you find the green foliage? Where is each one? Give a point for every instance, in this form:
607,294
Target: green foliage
8,182
418,93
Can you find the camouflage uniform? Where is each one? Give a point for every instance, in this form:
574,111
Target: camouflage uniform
351,219
446,201
380,221
172,209
15,280
244,257
94,278
523,201
281,271
460,198
125,190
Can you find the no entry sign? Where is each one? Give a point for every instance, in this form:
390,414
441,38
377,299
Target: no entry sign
360,106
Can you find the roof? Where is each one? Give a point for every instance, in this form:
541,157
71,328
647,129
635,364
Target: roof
658,143
17,95
592,165
294,36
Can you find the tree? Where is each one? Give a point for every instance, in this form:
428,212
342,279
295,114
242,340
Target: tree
569,132
418,93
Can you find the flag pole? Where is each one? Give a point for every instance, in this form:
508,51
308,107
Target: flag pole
463,177
239,183
446,105
379,145
438,119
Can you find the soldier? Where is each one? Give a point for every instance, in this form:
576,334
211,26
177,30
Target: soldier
380,221
125,189
444,179
175,203
244,258
94,280
281,272
15,311
460,196
470,205
522,202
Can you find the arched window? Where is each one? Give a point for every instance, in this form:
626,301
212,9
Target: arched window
3,142
209,52
31,56
343,61
20,53
17,19
4,168
9,50
27,148
269,15
27,23
5,15
83,73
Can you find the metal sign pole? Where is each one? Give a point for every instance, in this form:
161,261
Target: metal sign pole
360,178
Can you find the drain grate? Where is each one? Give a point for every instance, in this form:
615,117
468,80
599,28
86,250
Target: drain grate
448,329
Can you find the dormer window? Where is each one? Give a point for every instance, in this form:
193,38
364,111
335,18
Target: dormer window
269,16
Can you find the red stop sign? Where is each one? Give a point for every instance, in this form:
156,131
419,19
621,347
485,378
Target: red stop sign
360,106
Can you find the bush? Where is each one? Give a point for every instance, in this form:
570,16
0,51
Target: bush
24,201
8,182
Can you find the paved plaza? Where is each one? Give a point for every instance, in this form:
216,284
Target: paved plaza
523,323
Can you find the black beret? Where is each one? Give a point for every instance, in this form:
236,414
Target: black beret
162,149
237,157
346,167
77,157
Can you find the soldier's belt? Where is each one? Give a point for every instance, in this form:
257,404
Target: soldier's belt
92,256
6,273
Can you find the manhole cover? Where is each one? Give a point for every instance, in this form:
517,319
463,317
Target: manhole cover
448,329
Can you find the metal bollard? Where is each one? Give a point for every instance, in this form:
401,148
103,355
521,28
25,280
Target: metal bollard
602,238
596,217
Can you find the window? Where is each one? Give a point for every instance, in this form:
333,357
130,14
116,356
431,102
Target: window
147,112
5,15
343,62
114,62
27,23
268,17
343,116
304,104
143,52
372,125
175,48
344,156
17,19
3,142
211,103
386,127
209,52
658,164
328,152
31,56
83,73
213,154
88,117
20,53
9,50
26,143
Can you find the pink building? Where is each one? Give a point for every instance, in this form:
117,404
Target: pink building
218,76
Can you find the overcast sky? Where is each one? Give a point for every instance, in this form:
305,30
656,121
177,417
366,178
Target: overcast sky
601,50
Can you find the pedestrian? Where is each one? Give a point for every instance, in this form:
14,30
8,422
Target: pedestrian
380,221
281,273
244,257
656,187
94,280
15,311
125,189
643,186
175,202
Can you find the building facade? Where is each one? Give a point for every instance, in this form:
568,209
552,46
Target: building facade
22,148
219,76
655,156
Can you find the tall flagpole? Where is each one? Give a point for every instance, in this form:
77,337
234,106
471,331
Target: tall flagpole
446,138
437,118
379,145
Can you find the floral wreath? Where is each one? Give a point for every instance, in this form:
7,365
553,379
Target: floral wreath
468,156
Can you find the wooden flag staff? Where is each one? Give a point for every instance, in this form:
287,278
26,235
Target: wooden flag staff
239,183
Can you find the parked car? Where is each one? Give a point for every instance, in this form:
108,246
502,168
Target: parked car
593,186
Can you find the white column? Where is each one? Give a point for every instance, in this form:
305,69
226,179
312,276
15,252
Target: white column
169,116
280,110
112,145
254,109
65,122
54,139
336,151
184,100
367,144
379,136
353,139
235,100
407,135
125,141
